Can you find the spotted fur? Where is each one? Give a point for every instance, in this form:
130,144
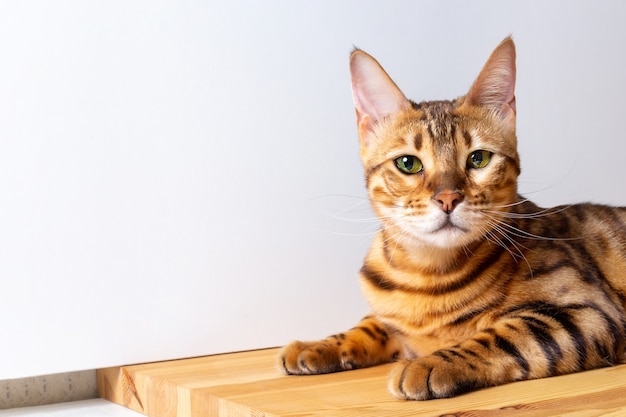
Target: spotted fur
470,284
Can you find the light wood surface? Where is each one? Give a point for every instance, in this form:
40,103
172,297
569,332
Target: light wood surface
247,384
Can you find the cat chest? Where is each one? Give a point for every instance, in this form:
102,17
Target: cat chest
421,309
425,323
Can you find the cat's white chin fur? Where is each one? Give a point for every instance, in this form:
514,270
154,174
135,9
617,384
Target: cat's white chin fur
446,237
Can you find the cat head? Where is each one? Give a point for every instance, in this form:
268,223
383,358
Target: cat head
438,171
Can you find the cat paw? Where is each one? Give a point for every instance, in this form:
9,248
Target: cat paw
306,358
428,378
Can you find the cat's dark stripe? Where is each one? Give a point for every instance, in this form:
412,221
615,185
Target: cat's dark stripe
379,329
590,272
540,271
377,279
486,343
511,327
367,331
615,330
452,132
508,347
470,315
471,353
477,312
384,336
534,321
389,253
551,349
457,354
578,212
473,274
429,129
604,352
443,355
619,227
417,141
468,138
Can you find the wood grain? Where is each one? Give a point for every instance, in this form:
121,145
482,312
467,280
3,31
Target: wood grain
247,384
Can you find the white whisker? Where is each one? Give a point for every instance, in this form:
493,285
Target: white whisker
516,231
518,254
538,214
513,204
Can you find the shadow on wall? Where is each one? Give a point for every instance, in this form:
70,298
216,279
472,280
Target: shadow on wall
48,389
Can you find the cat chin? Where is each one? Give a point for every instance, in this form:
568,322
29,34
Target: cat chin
448,238
444,238
448,234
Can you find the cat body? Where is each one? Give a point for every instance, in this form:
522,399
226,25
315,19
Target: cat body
470,284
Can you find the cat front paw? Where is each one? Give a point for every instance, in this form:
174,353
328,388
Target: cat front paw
322,357
428,378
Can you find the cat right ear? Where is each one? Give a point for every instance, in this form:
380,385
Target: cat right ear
374,92
495,86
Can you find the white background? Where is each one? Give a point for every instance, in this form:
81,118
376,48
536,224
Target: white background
181,178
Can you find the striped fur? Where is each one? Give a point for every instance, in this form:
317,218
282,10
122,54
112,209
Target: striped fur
470,284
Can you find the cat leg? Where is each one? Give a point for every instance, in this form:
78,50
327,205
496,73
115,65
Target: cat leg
366,344
531,344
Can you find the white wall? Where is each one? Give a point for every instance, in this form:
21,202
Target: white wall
181,178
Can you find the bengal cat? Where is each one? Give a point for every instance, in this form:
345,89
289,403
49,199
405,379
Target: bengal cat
470,284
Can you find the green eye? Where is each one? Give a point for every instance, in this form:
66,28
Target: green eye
409,164
478,159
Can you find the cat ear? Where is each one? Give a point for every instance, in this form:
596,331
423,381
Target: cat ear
374,92
495,86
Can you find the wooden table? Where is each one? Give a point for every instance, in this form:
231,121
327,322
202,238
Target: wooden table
247,384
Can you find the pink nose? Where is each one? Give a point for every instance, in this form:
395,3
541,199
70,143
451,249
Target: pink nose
448,200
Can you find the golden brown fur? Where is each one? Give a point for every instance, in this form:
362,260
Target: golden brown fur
470,284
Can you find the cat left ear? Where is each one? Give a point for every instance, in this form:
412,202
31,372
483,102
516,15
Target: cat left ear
495,86
374,92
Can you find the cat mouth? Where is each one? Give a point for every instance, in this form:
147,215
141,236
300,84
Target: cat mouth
449,226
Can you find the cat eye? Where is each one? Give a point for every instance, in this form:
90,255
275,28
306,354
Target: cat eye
409,164
478,159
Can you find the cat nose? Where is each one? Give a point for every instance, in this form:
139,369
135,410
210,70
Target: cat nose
448,200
